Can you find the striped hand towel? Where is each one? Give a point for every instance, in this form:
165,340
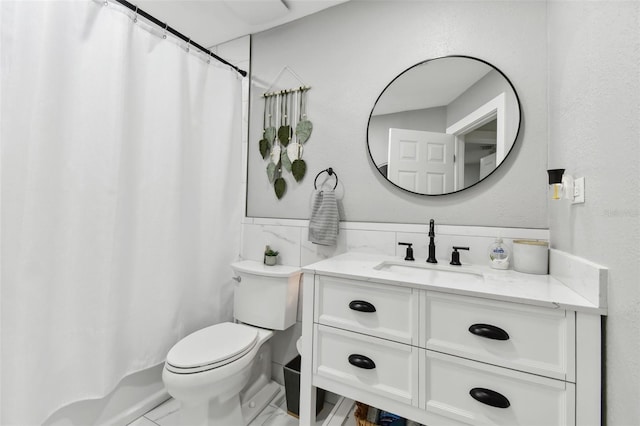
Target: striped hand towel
323,225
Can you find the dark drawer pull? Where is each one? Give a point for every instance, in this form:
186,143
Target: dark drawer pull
489,397
489,331
362,306
362,361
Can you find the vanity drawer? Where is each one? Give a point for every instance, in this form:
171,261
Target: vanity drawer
450,382
385,311
527,338
378,366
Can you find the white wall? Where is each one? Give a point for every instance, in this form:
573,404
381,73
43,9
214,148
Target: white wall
349,53
594,131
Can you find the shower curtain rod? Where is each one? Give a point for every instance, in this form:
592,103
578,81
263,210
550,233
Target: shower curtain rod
176,33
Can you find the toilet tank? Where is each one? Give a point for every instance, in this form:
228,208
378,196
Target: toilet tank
266,296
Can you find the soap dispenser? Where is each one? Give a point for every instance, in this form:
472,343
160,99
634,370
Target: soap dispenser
498,255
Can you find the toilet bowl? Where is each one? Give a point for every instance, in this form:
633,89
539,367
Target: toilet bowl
299,345
209,377
221,374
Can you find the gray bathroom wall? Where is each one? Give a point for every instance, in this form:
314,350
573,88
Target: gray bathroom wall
349,53
594,132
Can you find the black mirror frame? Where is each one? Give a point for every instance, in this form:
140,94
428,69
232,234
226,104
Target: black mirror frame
515,138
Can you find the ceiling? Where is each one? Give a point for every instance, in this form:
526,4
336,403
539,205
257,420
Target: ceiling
211,22
431,84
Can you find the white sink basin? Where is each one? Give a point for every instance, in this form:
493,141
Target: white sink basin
430,272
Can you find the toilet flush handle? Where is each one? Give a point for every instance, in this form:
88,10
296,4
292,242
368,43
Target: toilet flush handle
238,278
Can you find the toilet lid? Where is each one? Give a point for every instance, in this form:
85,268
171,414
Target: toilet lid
211,346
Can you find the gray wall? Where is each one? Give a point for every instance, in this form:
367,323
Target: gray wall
594,131
349,53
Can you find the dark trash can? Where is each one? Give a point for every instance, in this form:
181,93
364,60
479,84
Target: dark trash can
292,388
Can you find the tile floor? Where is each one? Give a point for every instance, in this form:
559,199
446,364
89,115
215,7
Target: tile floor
275,414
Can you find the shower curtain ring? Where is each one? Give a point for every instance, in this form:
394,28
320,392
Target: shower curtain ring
188,44
135,15
164,36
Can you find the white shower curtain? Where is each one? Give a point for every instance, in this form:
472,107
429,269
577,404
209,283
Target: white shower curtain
121,199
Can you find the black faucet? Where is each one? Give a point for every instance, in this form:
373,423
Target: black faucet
455,256
409,254
432,245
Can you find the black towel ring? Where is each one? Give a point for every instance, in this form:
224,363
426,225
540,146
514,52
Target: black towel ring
331,173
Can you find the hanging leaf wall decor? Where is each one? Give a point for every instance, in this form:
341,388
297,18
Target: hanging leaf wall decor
303,130
294,151
304,127
270,130
265,147
286,162
284,134
285,130
280,186
271,172
270,134
298,169
275,153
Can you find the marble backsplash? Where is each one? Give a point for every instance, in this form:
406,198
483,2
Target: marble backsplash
289,237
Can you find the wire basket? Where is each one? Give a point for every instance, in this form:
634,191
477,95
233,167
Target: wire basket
361,415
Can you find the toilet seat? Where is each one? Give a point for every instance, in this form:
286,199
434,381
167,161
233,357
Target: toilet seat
211,347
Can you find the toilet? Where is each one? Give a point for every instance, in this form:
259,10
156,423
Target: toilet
221,374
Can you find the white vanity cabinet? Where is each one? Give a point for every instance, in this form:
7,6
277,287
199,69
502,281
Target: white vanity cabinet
476,393
344,304
440,356
365,336
525,338
379,366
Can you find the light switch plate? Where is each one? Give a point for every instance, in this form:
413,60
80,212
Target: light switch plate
578,191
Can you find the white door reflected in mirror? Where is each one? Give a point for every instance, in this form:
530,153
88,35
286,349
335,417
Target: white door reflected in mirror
421,161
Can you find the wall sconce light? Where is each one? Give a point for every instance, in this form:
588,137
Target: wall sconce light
563,185
555,183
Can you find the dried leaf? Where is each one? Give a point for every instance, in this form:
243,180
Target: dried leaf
270,134
294,151
298,168
265,146
284,135
271,171
275,153
286,162
280,186
303,130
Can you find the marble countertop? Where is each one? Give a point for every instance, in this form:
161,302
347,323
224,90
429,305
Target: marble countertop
506,285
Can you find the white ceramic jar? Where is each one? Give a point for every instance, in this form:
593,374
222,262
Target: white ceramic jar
531,256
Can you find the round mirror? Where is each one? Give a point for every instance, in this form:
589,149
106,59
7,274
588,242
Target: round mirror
443,125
